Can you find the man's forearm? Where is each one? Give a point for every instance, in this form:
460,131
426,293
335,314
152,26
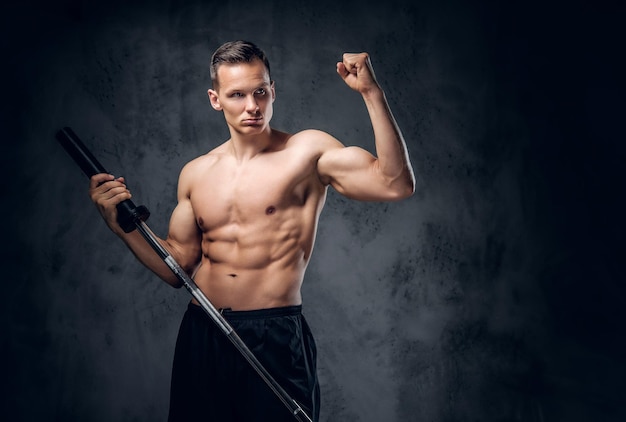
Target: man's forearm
391,150
148,257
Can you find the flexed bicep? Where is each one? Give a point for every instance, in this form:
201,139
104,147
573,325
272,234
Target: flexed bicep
355,173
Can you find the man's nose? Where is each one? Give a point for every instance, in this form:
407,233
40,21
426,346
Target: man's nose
251,104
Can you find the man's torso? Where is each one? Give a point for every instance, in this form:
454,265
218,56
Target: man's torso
258,220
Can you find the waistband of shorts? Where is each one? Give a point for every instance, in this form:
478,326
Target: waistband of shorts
229,314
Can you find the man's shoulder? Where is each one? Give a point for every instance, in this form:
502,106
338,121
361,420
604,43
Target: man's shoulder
314,139
201,163
309,134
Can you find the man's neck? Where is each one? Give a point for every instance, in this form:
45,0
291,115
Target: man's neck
246,147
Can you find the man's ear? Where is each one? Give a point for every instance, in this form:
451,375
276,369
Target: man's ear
215,101
273,89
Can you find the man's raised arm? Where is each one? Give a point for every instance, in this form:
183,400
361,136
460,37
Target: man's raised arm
353,171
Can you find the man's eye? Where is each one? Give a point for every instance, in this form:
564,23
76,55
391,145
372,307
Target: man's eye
260,91
237,94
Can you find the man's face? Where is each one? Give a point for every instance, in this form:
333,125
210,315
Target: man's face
245,94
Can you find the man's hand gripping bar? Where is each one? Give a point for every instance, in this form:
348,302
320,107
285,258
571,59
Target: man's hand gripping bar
127,212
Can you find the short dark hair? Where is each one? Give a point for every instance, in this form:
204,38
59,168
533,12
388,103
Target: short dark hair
234,52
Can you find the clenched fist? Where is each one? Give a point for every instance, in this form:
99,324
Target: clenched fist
357,72
106,192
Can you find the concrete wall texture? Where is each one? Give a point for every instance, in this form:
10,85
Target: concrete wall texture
493,294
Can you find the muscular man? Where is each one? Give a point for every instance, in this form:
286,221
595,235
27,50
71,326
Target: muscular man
244,228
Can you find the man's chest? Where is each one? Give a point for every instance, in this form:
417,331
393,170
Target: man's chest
256,190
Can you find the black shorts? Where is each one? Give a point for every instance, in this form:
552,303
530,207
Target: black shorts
211,380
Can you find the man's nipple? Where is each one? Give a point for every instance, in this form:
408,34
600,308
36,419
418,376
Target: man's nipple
270,210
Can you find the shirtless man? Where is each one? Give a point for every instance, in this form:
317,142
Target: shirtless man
244,228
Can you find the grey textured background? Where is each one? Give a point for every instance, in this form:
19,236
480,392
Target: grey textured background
493,294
